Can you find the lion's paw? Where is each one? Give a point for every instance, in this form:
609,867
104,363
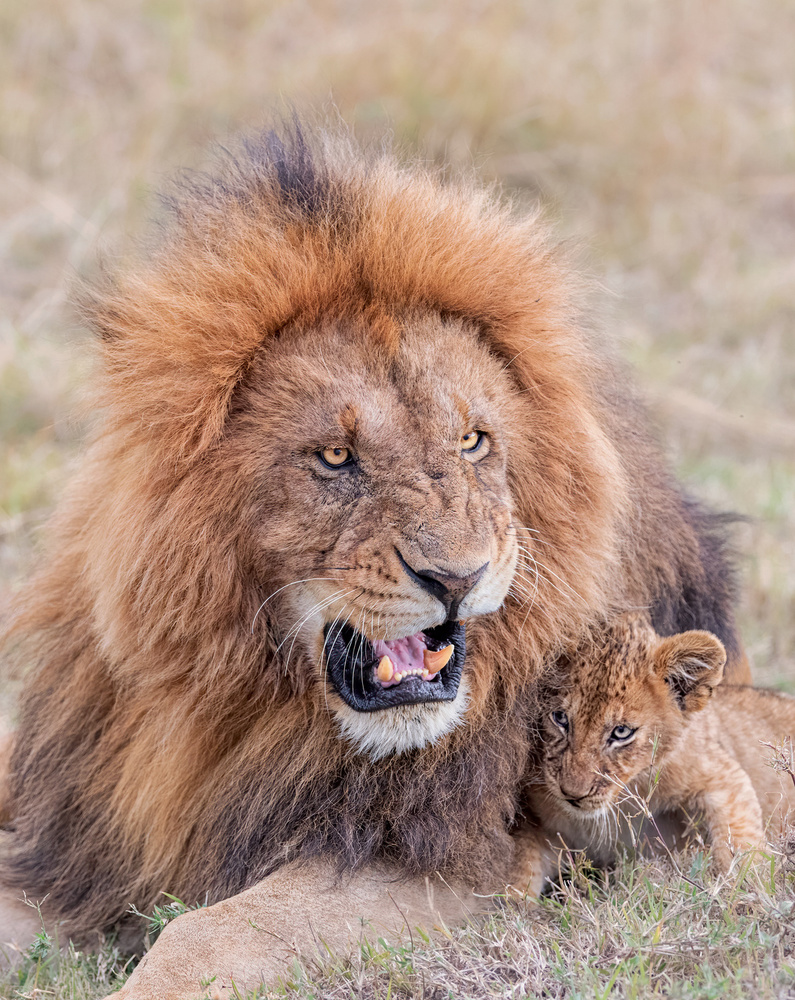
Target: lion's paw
202,956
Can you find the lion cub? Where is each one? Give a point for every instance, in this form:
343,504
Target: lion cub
633,714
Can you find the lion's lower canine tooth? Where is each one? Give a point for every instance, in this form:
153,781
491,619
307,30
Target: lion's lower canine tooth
435,659
385,669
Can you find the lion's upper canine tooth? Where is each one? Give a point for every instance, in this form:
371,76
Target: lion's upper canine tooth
435,659
385,669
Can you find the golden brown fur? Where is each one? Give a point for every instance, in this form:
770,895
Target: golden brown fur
167,741
634,718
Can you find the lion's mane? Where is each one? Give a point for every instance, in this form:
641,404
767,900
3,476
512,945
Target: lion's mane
159,747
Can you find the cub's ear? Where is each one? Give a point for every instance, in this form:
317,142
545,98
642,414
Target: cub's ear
691,664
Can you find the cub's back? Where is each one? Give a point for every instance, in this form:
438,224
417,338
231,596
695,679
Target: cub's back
748,718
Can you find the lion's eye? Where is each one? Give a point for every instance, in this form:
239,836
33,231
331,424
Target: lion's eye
335,458
561,720
621,734
474,441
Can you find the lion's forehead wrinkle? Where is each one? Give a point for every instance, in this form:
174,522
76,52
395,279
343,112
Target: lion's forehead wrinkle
333,390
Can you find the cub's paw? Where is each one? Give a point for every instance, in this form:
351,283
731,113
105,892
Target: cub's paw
734,858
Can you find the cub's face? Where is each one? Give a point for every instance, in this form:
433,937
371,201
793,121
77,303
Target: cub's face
592,750
383,517
617,709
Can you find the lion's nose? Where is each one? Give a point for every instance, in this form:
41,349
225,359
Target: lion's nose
450,590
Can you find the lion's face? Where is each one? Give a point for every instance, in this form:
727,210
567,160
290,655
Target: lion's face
384,507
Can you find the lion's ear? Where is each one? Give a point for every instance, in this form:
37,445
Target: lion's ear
692,665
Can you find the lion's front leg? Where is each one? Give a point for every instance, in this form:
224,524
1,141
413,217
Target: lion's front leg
254,937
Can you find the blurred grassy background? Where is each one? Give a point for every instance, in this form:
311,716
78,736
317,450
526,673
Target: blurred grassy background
662,134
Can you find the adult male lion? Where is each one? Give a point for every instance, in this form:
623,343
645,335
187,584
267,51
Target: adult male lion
359,473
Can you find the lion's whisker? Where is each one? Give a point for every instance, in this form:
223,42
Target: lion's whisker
525,560
296,628
322,663
549,570
527,615
534,535
360,648
535,539
318,606
525,556
542,566
529,598
330,633
349,645
521,585
568,586
522,597
518,354
522,527
294,583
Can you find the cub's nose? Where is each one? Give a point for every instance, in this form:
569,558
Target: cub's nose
573,800
450,590
575,791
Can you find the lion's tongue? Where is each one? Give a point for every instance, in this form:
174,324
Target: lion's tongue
405,655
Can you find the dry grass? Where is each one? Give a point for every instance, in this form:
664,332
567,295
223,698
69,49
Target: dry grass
649,930
661,134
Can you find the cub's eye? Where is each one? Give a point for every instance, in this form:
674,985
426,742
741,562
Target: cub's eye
335,458
474,441
561,720
621,734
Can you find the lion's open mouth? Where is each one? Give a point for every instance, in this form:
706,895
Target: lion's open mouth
370,676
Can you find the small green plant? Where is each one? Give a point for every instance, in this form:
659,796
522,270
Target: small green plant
164,914
41,947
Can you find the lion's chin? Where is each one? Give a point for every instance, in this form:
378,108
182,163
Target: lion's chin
402,728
